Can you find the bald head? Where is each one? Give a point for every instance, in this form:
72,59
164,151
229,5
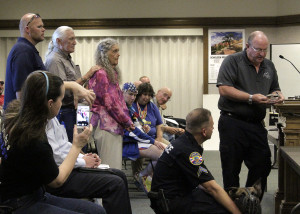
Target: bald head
144,79
163,95
32,28
23,22
257,35
257,47
137,83
197,119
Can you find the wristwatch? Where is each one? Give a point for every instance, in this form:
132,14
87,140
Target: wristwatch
250,99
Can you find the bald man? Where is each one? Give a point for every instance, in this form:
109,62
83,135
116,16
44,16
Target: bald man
144,79
24,57
182,175
161,98
244,81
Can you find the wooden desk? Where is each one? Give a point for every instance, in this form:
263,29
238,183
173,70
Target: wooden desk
290,163
290,110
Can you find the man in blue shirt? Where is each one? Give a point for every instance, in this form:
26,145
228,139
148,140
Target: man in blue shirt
24,57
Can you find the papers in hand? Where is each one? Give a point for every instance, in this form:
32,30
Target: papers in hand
103,166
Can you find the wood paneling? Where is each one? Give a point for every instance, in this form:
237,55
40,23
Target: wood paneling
162,22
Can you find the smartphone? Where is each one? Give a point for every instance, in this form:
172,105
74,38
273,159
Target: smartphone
273,97
82,116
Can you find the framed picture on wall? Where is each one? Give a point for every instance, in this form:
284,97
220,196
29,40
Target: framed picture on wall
221,43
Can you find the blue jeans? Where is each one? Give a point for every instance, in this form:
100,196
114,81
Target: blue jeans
67,116
45,203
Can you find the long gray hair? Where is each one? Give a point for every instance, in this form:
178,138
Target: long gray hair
102,59
60,33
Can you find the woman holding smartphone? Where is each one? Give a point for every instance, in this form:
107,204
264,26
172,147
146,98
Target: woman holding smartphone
27,158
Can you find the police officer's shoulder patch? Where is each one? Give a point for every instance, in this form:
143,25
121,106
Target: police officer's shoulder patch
200,170
195,158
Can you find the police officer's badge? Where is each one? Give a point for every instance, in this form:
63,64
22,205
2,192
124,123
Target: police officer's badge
196,159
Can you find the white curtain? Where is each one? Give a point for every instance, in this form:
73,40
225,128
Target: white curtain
172,61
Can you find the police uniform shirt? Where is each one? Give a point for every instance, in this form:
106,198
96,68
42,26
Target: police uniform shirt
181,168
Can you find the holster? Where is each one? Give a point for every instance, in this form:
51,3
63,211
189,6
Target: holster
158,202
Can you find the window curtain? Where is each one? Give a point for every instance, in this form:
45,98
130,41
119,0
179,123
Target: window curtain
172,61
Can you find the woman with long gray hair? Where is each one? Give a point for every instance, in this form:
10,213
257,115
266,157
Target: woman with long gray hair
110,113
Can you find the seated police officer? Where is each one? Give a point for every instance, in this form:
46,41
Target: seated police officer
181,182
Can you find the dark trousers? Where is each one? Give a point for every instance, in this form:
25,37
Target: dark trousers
111,186
68,117
45,203
197,202
243,141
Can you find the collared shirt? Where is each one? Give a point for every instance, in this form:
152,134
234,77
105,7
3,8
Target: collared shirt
61,64
22,60
154,100
181,168
58,139
237,71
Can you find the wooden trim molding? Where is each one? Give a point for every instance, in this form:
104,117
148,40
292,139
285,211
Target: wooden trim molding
205,60
162,22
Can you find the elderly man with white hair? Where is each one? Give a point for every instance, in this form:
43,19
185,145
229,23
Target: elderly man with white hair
60,63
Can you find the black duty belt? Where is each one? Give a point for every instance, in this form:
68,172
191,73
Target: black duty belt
245,119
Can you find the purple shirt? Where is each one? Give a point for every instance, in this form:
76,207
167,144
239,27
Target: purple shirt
109,107
153,117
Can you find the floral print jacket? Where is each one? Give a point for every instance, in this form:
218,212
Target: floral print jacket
109,107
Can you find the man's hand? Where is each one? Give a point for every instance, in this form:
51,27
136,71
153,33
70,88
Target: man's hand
259,98
179,131
80,140
91,72
92,160
280,97
170,130
80,92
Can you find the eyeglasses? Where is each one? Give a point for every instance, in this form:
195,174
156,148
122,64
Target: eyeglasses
1,82
32,18
258,50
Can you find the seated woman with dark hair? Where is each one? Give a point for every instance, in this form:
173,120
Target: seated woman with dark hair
148,111
149,118
27,158
137,143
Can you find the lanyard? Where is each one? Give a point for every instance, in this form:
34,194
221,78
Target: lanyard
135,114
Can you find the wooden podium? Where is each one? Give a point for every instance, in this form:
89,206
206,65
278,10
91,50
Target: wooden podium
287,195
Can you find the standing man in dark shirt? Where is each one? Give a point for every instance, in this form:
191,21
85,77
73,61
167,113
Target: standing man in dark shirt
245,79
187,183
24,57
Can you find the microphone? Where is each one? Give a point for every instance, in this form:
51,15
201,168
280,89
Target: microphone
282,57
